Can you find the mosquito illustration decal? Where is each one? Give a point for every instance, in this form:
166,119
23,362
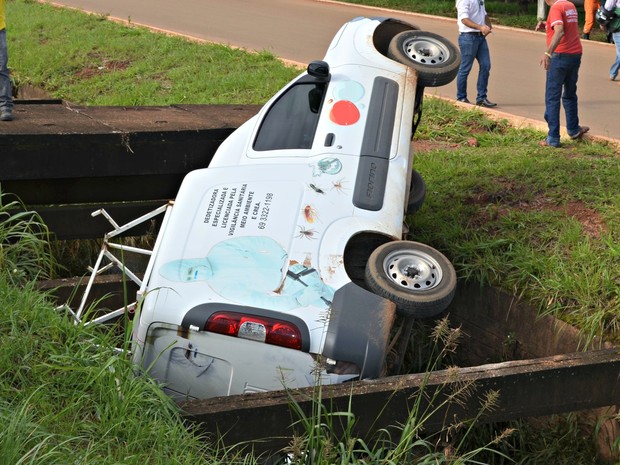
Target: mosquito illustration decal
307,233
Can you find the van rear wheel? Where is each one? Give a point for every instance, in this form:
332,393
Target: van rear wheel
417,193
419,279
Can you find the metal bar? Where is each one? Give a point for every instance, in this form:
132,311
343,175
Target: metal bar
114,261
110,315
101,269
121,229
105,214
128,248
124,269
78,313
149,267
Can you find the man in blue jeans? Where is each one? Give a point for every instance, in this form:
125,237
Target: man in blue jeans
6,95
474,26
562,60
614,29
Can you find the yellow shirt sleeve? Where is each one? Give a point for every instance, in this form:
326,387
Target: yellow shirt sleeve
2,19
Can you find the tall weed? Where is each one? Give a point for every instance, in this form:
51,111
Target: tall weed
330,436
24,242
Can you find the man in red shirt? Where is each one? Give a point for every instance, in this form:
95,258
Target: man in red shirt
562,60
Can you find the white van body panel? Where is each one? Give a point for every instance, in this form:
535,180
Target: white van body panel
240,227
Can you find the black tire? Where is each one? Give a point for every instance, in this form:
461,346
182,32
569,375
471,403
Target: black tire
434,57
423,293
417,193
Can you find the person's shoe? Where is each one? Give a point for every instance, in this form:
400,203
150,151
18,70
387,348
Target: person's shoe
544,143
486,103
586,36
612,78
463,100
6,115
582,131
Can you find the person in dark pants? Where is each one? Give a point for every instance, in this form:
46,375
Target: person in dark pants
474,27
6,92
562,60
613,29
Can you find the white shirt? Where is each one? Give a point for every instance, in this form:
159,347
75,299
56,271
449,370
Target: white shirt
472,9
611,5
541,13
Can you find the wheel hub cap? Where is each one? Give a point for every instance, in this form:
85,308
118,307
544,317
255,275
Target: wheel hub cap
415,271
426,51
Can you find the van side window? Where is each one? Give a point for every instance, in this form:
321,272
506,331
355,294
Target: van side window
291,121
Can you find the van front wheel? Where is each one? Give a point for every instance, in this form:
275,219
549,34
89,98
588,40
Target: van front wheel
434,57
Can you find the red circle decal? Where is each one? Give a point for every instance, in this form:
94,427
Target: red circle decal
344,113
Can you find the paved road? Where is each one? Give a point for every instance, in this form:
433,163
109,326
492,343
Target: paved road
300,31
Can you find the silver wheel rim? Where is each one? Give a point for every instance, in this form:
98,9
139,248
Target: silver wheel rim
412,270
426,51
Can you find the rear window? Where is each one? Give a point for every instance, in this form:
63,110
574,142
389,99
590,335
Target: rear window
291,121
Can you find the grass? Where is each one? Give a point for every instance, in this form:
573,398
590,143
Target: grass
86,59
541,223
538,222
67,397
24,243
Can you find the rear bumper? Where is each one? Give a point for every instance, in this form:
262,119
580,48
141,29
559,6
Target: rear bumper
193,364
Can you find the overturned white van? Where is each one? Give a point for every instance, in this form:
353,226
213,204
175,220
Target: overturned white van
281,265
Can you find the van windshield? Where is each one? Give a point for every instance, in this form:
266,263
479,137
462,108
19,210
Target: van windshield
291,121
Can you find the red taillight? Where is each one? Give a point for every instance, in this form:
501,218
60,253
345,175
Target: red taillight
262,329
284,334
223,323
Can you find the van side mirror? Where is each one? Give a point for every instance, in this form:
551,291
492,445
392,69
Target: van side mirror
318,69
